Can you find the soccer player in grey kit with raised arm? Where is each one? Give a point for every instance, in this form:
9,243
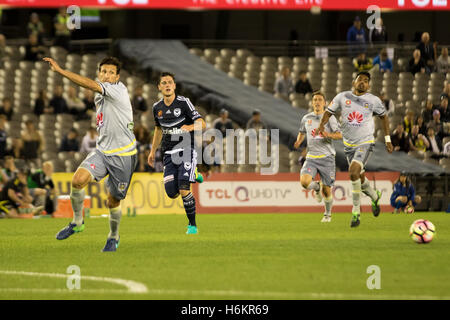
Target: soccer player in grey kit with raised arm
115,154
357,109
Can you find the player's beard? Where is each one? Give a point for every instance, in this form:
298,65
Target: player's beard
361,89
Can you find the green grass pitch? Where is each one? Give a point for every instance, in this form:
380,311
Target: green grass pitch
240,256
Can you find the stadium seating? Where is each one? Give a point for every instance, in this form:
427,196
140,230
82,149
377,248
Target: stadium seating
330,75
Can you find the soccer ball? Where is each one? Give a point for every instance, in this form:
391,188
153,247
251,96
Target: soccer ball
422,231
409,209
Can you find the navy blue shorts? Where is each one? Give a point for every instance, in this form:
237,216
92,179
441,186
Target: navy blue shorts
180,168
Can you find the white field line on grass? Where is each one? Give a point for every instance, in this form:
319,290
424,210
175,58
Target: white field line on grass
135,287
132,286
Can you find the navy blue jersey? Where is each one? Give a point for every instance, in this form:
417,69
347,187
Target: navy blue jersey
171,118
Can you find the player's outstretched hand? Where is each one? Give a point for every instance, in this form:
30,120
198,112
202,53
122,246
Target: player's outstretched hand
151,159
53,64
389,147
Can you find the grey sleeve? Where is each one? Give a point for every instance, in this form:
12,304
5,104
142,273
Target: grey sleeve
112,90
302,126
335,104
378,108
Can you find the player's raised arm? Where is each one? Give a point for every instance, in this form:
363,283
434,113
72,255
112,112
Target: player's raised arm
326,116
300,138
157,136
76,78
335,133
387,137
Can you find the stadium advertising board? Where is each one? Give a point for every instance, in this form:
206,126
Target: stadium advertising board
146,194
254,193
239,4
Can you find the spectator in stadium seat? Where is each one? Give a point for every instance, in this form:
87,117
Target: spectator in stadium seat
437,124
362,63
427,51
89,104
89,141
142,134
74,105
223,123
9,169
33,50
427,112
6,108
421,124
70,142
435,143
35,27
62,32
404,194
3,54
42,188
42,104
443,109
443,62
17,148
356,38
408,121
303,85
284,85
32,144
383,62
138,102
3,136
378,34
255,121
58,103
400,139
417,140
416,64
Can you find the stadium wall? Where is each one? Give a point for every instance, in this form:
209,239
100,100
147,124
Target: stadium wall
230,193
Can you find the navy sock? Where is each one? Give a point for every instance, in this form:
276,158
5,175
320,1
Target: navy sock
189,207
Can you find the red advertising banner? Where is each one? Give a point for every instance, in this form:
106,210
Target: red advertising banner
238,4
255,193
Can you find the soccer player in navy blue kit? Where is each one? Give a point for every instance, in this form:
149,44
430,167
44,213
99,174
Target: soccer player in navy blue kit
175,122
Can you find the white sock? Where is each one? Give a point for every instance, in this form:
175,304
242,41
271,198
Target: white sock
368,190
114,222
328,205
77,199
356,194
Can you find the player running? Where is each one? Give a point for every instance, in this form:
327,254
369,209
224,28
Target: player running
115,154
357,109
175,120
321,153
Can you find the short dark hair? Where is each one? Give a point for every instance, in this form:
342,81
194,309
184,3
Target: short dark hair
166,74
364,73
318,93
113,61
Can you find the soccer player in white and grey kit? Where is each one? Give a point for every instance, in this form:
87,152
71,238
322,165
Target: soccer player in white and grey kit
321,153
115,154
175,121
357,109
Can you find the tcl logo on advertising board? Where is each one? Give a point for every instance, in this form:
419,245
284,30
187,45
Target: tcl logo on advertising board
275,193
